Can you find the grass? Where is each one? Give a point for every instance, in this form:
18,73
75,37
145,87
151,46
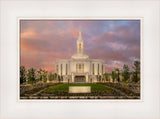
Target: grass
64,87
98,90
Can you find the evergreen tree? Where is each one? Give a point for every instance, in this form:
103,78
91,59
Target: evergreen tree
31,75
40,74
136,72
59,78
51,76
113,75
22,74
106,76
44,76
125,73
117,74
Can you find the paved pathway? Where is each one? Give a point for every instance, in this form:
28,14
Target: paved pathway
41,91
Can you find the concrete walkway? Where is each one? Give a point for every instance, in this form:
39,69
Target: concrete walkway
40,91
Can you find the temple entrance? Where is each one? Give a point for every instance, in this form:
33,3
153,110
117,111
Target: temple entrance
79,79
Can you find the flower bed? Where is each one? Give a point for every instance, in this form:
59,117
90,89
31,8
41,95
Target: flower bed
35,88
123,88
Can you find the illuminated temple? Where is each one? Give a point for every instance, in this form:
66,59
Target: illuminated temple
80,68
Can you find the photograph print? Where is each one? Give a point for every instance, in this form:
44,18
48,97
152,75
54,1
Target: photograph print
80,59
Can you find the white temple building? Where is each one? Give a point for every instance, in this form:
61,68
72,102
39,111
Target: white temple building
80,69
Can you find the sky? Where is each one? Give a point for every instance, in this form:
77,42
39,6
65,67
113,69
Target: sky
42,42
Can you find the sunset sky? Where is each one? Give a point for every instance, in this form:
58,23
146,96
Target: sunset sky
45,41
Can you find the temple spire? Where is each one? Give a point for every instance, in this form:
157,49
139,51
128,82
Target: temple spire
80,42
80,34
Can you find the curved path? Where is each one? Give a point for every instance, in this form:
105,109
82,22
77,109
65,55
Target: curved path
41,90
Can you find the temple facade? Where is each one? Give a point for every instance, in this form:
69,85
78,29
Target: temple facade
80,68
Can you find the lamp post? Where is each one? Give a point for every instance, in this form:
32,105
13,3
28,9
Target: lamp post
27,81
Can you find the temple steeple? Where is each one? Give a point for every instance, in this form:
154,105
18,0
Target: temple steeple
80,42
80,34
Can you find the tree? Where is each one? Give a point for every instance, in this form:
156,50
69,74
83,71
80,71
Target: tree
51,76
103,79
22,74
59,78
39,74
44,76
55,76
117,74
125,73
99,77
113,75
106,76
31,75
136,71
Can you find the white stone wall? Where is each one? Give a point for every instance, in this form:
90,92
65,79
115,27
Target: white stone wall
73,66
88,68
63,63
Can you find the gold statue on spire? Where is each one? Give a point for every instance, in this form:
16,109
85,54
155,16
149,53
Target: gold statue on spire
80,28
80,34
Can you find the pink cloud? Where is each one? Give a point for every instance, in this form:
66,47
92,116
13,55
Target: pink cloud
43,42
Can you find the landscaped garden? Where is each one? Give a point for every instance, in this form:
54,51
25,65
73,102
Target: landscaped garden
65,87
98,91
119,84
62,90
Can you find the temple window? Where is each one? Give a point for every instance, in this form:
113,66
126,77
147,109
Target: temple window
66,69
93,68
98,69
61,69
80,68
57,69
80,47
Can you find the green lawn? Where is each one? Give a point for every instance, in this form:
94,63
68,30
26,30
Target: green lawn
64,87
